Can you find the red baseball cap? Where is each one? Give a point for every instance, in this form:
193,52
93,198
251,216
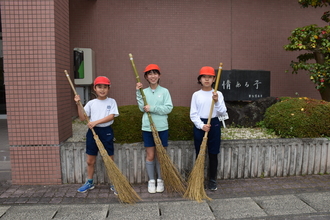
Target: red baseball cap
151,67
101,80
207,70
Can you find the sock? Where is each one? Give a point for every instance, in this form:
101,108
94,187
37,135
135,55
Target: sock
150,167
159,174
213,166
90,181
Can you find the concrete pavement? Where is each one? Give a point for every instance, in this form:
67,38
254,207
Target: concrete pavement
294,197
299,197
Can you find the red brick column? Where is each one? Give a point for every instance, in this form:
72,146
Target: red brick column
36,52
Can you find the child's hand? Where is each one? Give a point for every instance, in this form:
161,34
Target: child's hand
215,96
77,98
146,108
139,86
91,124
206,128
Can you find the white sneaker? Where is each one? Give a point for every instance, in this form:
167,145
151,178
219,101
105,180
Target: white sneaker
160,186
152,186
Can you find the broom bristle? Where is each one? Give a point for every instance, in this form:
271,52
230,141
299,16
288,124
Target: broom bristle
170,174
195,189
126,194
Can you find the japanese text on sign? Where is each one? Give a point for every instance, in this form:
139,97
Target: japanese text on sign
239,85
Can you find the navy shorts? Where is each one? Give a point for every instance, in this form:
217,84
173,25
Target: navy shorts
214,137
106,137
149,139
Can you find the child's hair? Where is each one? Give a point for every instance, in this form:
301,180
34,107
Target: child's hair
155,71
199,80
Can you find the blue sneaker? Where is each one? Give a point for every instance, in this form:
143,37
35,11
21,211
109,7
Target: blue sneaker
112,188
86,186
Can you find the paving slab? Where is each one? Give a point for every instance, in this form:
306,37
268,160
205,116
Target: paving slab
30,212
283,205
3,210
185,210
319,201
236,208
85,211
137,211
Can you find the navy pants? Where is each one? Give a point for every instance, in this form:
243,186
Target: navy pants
214,137
213,145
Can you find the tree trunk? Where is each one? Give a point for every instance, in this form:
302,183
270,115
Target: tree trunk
325,94
319,57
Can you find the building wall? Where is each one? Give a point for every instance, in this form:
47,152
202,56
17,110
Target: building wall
182,36
36,51
179,36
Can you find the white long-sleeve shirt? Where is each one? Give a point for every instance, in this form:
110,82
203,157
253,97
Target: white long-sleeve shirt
200,107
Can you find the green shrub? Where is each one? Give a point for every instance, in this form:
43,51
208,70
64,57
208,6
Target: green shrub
299,117
180,125
127,126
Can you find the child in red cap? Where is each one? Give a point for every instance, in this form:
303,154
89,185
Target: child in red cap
159,105
101,112
199,112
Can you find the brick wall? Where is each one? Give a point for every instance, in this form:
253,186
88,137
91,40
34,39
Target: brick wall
179,36
183,36
35,44
35,165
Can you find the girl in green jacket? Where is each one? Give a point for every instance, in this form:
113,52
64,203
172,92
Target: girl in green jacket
159,105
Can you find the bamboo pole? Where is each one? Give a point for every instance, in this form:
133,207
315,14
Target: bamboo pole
126,194
170,174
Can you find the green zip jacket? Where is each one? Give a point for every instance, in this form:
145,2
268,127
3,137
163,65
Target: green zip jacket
160,103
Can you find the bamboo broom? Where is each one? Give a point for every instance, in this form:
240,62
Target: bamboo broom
126,194
195,188
171,176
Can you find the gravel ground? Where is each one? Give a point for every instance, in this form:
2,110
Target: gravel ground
246,133
79,130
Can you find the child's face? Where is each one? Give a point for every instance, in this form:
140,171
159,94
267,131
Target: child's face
152,77
101,91
207,81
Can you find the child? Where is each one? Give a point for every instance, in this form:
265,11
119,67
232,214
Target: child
159,105
199,112
101,112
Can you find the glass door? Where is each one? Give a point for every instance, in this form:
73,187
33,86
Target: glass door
3,111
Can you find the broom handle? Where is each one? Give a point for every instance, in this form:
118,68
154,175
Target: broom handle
79,103
215,89
141,90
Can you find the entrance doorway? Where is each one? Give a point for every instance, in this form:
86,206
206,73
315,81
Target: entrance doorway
2,90
3,111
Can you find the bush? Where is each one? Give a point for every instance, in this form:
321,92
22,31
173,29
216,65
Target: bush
127,127
180,125
299,117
